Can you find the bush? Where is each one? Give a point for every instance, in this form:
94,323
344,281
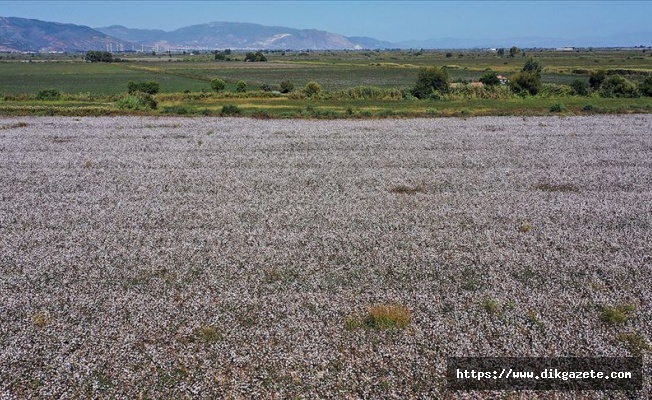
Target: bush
531,65
241,87
556,90
98,56
286,86
490,78
596,78
617,86
265,87
255,57
218,84
149,87
558,107
525,83
230,109
48,94
429,80
580,87
312,89
137,102
588,108
646,87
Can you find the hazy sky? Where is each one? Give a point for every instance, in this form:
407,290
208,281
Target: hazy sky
385,20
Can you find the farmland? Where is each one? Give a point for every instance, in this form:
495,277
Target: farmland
95,89
147,256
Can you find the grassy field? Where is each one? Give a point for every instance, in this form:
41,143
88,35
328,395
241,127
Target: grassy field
93,88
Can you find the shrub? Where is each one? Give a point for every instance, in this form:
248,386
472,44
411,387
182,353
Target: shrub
265,87
525,83
312,89
178,110
556,90
558,107
429,80
230,109
646,87
490,78
529,79
588,107
137,102
241,87
286,86
149,87
617,86
48,94
532,65
98,56
580,87
255,57
596,78
218,84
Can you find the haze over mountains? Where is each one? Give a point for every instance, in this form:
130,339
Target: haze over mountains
31,35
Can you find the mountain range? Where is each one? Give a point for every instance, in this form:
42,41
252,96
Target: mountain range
31,35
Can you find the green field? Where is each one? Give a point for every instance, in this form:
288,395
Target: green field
94,88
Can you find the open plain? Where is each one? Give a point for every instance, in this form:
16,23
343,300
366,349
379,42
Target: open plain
146,257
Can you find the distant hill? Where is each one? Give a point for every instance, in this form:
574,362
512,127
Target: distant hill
234,35
21,34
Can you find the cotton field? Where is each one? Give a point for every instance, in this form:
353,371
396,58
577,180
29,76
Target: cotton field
145,257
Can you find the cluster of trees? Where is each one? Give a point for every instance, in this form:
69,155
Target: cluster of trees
255,57
433,81
612,85
99,56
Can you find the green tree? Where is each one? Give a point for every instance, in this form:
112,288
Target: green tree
580,87
255,57
525,82
532,65
617,86
219,56
218,84
241,87
596,78
430,79
286,86
646,87
529,79
98,56
513,51
501,52
490,78
312,89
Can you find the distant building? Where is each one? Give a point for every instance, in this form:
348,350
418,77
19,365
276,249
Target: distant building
503,79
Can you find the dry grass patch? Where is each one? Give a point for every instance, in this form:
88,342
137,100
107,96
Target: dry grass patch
40,319
404,189
634,342
209,333
617,315
15,126
381,317
491,306
525,227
